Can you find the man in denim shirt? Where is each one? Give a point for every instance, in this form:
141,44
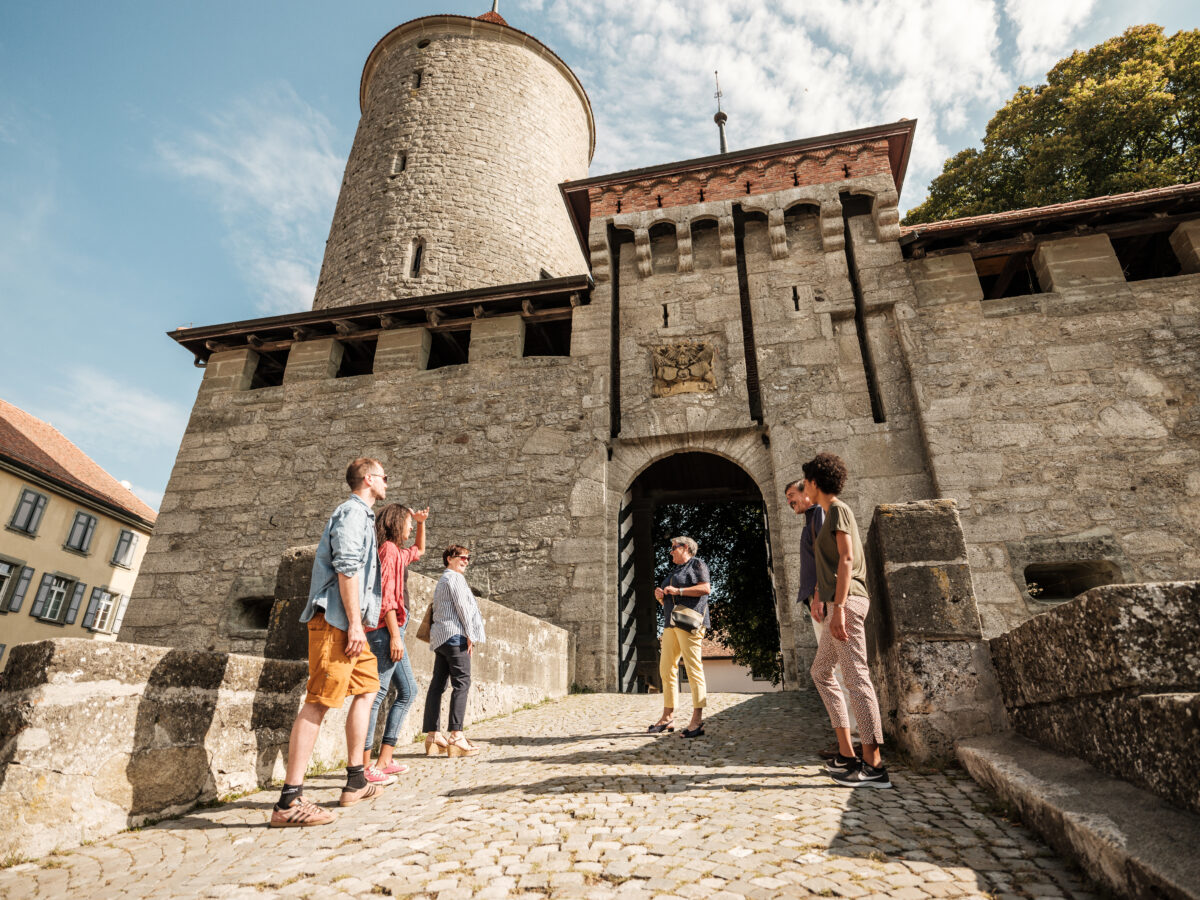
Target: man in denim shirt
343,599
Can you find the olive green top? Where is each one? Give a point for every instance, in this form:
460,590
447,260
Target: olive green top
839,518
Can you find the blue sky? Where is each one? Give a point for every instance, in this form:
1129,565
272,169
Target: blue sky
171,163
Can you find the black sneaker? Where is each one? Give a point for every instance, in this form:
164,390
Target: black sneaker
862,775
841,763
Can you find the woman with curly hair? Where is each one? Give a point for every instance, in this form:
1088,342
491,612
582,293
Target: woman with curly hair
842,585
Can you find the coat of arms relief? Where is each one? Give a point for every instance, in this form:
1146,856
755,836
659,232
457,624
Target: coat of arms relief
683,367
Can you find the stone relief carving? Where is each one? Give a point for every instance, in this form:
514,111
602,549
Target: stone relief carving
683,367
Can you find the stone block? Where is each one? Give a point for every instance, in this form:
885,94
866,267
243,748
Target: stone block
287,637
230,370
1185,241
940,280
403,350
313,360
1123,637
1078,262
501,337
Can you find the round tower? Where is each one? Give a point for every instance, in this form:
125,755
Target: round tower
468,127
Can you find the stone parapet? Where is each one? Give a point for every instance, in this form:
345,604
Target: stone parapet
314,359
1185,241
1113,677
230,370
99,737
939,280
930,665
1079,262
502,337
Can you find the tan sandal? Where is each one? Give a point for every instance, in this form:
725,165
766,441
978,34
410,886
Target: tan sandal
435,747
301,814
370,792
461,747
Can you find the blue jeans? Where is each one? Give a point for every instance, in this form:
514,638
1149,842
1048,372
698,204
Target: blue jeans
390,672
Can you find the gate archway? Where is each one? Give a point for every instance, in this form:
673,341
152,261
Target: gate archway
688,478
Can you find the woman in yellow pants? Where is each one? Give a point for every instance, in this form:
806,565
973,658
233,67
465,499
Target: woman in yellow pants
684,597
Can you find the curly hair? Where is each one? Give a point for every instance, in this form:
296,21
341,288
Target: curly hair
827,472
452,551
389,523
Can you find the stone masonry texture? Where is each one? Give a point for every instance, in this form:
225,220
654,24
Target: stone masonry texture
1064,424
573,799
1113,677
469,163
95,738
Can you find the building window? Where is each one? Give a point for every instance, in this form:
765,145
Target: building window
105,611
57,599
126,546
418,78
14,582
80,536
416,258
399,162
29,511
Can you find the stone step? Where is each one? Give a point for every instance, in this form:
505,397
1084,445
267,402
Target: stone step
1124,837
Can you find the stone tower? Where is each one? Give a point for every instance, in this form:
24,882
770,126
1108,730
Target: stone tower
468,127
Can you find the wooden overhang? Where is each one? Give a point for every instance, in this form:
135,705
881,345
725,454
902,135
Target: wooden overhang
545,300
899,136
1139,213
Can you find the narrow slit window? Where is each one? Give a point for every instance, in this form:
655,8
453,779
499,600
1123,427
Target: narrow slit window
418,78
796,298
666,317
416,258
399,162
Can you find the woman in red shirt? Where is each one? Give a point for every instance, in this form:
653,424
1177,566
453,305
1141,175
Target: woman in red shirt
393,524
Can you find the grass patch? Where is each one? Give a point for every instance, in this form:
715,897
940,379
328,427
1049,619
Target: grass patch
576,688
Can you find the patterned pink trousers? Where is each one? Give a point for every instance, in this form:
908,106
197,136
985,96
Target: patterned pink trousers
852,654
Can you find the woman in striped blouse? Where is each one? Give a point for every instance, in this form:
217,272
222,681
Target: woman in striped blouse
456,627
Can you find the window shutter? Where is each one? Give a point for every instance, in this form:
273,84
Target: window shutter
73,609
89,617
39,602
133,542
87,535
18,594
116,626
36,519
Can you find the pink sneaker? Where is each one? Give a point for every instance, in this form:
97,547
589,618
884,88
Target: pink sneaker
377,776
394,768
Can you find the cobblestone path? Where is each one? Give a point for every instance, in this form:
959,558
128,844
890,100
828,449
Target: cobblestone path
573,799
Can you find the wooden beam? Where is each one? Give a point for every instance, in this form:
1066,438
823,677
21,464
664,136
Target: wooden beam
433,316
1015,263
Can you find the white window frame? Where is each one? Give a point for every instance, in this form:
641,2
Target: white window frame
125,560
106,610
68,585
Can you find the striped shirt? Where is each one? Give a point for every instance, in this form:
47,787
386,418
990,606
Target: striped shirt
455,611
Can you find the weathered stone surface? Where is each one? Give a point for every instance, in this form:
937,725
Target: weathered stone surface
932,672
1132,842
1113,677
167,728
573,798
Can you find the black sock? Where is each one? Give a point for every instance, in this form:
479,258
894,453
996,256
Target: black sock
355,779
289,793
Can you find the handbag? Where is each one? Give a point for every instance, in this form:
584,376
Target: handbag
686,618
426,624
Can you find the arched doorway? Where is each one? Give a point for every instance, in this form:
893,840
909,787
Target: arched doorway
719,504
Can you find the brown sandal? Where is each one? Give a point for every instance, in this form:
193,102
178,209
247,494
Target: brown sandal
461,747
370,792
301,814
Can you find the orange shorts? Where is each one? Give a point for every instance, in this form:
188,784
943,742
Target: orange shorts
331,673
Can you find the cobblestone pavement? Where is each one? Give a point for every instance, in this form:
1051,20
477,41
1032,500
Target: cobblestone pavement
573,799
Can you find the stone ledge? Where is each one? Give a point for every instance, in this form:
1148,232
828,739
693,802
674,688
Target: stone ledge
1133,842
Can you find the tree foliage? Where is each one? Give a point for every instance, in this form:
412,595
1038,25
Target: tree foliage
732,542
1122,116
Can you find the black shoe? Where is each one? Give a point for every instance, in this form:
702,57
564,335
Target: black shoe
659,729
698,731
862,775
841,763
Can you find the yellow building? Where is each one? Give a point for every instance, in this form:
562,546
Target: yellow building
72,541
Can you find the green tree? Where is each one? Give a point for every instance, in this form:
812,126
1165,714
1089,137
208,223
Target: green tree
732,542
1122,116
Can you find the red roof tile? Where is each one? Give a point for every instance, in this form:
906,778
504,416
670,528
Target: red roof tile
490,16
38,447
1056,210
710,649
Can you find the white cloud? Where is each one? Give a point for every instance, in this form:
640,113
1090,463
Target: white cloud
91,406
797,68
274,175
1044,31
151,498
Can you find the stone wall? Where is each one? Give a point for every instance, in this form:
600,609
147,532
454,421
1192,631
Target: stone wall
469,163
1113,677
931,668
96,738
1066,423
